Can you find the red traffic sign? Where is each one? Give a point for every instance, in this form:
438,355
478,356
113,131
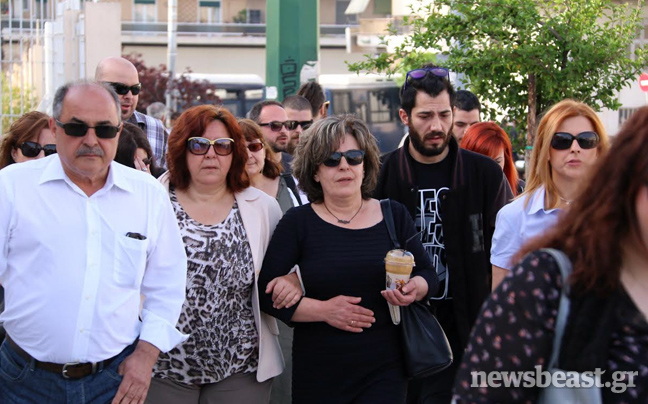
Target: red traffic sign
643,82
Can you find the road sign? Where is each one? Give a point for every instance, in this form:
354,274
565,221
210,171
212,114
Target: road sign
643,82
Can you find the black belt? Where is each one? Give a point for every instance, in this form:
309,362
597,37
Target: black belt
71,370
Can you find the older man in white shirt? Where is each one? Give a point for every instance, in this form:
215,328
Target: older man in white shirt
81,238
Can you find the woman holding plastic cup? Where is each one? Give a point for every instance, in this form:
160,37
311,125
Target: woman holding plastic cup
346,347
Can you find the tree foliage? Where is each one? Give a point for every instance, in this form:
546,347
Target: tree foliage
507,49
154,84
15,101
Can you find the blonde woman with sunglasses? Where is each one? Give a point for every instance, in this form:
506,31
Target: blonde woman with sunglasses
570,139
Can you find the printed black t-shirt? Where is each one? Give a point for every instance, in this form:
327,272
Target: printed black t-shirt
433,180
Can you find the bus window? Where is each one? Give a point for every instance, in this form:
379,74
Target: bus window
380,107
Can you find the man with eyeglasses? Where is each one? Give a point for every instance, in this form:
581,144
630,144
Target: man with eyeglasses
82,239
122,75
454,196
299,110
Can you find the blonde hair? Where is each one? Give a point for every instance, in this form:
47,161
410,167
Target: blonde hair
540,173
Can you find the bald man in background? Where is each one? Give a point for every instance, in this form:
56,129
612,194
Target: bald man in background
123,77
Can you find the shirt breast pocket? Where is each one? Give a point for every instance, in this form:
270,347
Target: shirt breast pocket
130,261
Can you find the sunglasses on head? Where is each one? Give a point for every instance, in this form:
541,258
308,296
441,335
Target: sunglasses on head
255,147
275,126
304,124
123,89
200,146
353,158
79,129
564,140
33,149
418,74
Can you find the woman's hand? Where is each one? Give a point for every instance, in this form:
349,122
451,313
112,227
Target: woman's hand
140,165
286,291
344,313
413,290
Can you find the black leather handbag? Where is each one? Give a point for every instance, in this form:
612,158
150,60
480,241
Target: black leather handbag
426,349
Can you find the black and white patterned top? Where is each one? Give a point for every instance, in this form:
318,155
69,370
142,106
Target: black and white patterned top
217,312
515,331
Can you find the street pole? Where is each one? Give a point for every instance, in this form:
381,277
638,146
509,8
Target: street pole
172,33
292,45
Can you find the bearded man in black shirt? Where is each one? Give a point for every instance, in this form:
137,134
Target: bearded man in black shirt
454,196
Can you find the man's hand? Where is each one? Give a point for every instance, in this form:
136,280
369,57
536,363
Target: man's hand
136,370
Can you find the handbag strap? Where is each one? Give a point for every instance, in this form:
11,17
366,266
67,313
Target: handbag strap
563,307
385,205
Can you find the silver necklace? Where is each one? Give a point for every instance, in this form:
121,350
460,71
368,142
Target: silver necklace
342,220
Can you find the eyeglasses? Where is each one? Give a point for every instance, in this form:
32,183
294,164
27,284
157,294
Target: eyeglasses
123,89
255,147
275,126
304,124
200,146
564,140
418,74
79,129
353,158
33,149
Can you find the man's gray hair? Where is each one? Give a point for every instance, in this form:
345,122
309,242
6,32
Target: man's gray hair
156,110
61,92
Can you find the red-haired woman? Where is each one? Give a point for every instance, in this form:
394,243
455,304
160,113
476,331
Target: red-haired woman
489,139
570,139
232,352
605,236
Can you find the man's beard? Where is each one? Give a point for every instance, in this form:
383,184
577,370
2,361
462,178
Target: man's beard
428,151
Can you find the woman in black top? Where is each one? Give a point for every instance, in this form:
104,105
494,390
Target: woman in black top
605,236
346,347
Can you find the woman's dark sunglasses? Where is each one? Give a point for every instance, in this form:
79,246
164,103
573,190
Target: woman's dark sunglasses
79,129
123,89
564,140
33,149
254,147
200,146
418,74
275,126
353,158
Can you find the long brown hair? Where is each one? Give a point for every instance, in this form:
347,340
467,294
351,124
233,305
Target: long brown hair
25,128
193,122
252,132
603,218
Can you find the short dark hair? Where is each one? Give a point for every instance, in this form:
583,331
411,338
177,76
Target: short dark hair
255,112
297,102
314,93
323,138
466,101
194,122
61,92
252,131
430,84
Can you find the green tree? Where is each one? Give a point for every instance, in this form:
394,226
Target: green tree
522,55
15,102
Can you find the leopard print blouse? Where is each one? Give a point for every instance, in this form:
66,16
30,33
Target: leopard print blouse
217,312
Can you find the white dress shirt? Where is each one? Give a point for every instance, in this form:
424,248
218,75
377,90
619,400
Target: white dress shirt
519,222
72,278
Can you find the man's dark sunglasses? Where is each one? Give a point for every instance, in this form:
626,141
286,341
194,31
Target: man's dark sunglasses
353,158
275,126
123,89
33,149
418,74
564,140
304,124
79,129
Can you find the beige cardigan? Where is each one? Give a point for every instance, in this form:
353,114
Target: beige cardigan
260,214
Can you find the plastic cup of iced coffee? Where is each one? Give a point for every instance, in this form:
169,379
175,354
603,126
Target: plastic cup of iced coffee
398,267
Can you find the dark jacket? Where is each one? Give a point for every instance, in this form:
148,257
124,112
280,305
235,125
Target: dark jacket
478,190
